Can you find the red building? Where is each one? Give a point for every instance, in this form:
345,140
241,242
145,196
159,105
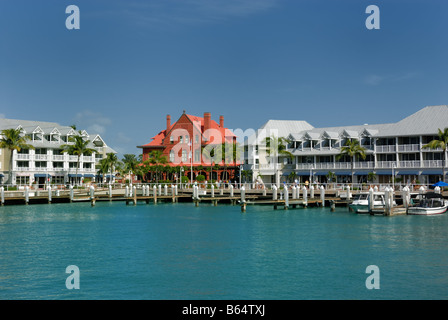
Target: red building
198,145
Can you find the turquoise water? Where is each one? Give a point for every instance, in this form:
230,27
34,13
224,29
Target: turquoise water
178,251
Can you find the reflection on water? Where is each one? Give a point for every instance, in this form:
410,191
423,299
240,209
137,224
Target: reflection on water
179,251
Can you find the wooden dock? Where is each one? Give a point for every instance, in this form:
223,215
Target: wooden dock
225,196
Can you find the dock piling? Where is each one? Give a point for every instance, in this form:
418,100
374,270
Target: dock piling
305,196
49,194
27,195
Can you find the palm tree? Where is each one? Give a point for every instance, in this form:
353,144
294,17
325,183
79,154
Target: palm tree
157,159
112,163
102,167
292,176
278,145
331,176
13,139
78,148
371,176
440,143
130,163
352,149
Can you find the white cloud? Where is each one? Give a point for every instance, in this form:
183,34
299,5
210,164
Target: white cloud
375,79
92,122
193,11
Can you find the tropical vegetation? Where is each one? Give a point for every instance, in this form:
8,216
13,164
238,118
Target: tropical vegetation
440,143
13,139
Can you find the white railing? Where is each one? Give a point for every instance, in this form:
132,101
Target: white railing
385,164
432,163
408,147
391,148
20,156
58,157
271,166
40,157
409,164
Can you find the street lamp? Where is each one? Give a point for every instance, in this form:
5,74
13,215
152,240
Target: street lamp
241,169
180,176
393,176
311,174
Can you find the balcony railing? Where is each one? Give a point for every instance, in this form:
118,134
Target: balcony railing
391,148
20,156
408,148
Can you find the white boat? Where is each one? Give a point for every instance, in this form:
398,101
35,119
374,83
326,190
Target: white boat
360,203
430,204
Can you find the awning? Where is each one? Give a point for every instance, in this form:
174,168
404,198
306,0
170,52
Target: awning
362,173
89,175
286,173
303,173
383,173
432,172
320,173
343,173
408,172
42,175
72,175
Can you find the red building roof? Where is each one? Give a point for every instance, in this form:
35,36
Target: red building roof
202,129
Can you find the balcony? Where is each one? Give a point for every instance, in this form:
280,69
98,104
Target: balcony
41,157
409,148
385,149
58,158
20,156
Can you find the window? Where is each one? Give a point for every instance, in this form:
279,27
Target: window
187,139
181,139
171,139
23,164
22,180
197,155
41,164
184,155
58,164
196,139
172,156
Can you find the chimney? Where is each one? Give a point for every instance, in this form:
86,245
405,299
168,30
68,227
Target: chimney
168,122
221,121
207,120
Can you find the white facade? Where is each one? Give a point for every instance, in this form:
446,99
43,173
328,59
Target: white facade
47,163
394,149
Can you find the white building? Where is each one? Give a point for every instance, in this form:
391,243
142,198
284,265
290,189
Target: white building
392,149
47,162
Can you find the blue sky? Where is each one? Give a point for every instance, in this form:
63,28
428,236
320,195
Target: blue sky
133,62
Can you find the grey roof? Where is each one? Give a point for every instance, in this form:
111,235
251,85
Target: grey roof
426,121
47,128
282,128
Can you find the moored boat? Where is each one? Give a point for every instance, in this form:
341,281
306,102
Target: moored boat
430,204
360,203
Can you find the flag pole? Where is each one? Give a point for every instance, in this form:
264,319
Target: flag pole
191,158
